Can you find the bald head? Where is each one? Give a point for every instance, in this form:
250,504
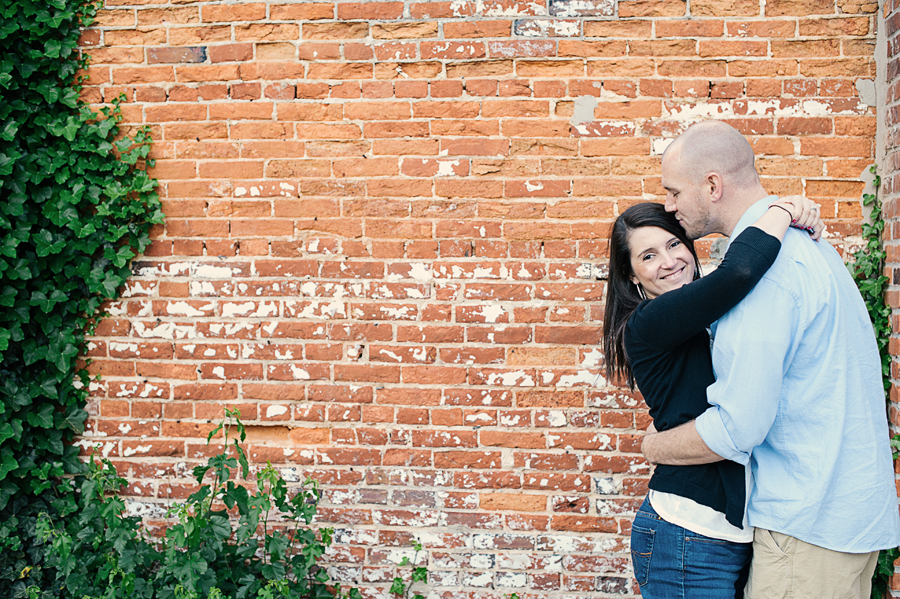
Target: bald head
710,179
713,146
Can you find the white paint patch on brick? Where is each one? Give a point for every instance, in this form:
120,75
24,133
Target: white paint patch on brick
605,485
592,358
165,330
534,186
516,378
287,355
165,269
391,355
612,400
420,271
620,128
231,310
185,309
398,313
445,168
299,374
518,8
203,288
659,145
582,377
481,562
556,418
491,313
116,309
137,288
700,110
476,418
129,347
130,451
273,411
511,579
230,328
219,371
315,309
210,271
510,420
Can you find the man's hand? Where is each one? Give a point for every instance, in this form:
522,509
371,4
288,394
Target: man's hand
680,446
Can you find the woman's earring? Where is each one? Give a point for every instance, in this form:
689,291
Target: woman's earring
640,289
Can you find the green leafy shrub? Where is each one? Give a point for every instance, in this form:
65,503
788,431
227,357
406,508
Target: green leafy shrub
867,269
75,205
226,541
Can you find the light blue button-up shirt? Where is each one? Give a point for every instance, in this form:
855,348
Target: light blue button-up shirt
798,395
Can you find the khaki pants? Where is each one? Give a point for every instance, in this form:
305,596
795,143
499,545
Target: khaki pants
787,568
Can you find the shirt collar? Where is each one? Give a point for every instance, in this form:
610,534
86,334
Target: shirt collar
753,214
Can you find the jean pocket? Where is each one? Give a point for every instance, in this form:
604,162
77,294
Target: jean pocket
641,551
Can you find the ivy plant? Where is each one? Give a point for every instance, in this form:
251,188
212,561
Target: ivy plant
417,573
867,269
76,204
266,551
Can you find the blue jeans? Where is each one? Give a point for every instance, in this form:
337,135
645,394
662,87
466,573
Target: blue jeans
674,563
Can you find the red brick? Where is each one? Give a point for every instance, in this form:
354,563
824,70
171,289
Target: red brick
369,10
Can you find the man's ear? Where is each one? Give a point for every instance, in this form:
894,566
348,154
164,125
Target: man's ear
713,186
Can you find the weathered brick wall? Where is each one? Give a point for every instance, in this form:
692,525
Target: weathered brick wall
385,244
888,156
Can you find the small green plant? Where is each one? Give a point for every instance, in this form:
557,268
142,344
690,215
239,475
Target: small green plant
231,539
867,269
419,574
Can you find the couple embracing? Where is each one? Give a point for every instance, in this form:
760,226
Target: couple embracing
773,473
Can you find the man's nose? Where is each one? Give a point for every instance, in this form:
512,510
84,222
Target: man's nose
670,203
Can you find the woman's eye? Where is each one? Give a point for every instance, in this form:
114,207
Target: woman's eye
675,244
647,257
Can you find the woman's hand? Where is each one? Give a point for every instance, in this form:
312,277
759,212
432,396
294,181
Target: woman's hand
805,214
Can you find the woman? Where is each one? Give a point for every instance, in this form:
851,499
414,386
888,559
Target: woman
690,537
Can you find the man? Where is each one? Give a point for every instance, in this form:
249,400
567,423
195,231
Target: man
798,392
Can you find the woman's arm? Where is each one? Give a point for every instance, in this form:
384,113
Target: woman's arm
676,316
803,212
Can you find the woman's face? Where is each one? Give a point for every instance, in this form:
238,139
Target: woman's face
659,260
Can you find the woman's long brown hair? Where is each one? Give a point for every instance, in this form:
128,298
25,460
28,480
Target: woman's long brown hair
622,296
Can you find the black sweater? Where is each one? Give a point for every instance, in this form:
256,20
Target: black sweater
668,345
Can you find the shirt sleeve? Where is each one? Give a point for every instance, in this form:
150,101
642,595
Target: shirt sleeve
752,351
675,316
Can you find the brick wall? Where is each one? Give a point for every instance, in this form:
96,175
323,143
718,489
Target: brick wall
888,155
386,245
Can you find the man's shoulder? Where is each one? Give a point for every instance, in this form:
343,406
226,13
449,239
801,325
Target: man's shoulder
802,259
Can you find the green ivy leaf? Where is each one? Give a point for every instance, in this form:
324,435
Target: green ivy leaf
7,463
52,49
42,417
